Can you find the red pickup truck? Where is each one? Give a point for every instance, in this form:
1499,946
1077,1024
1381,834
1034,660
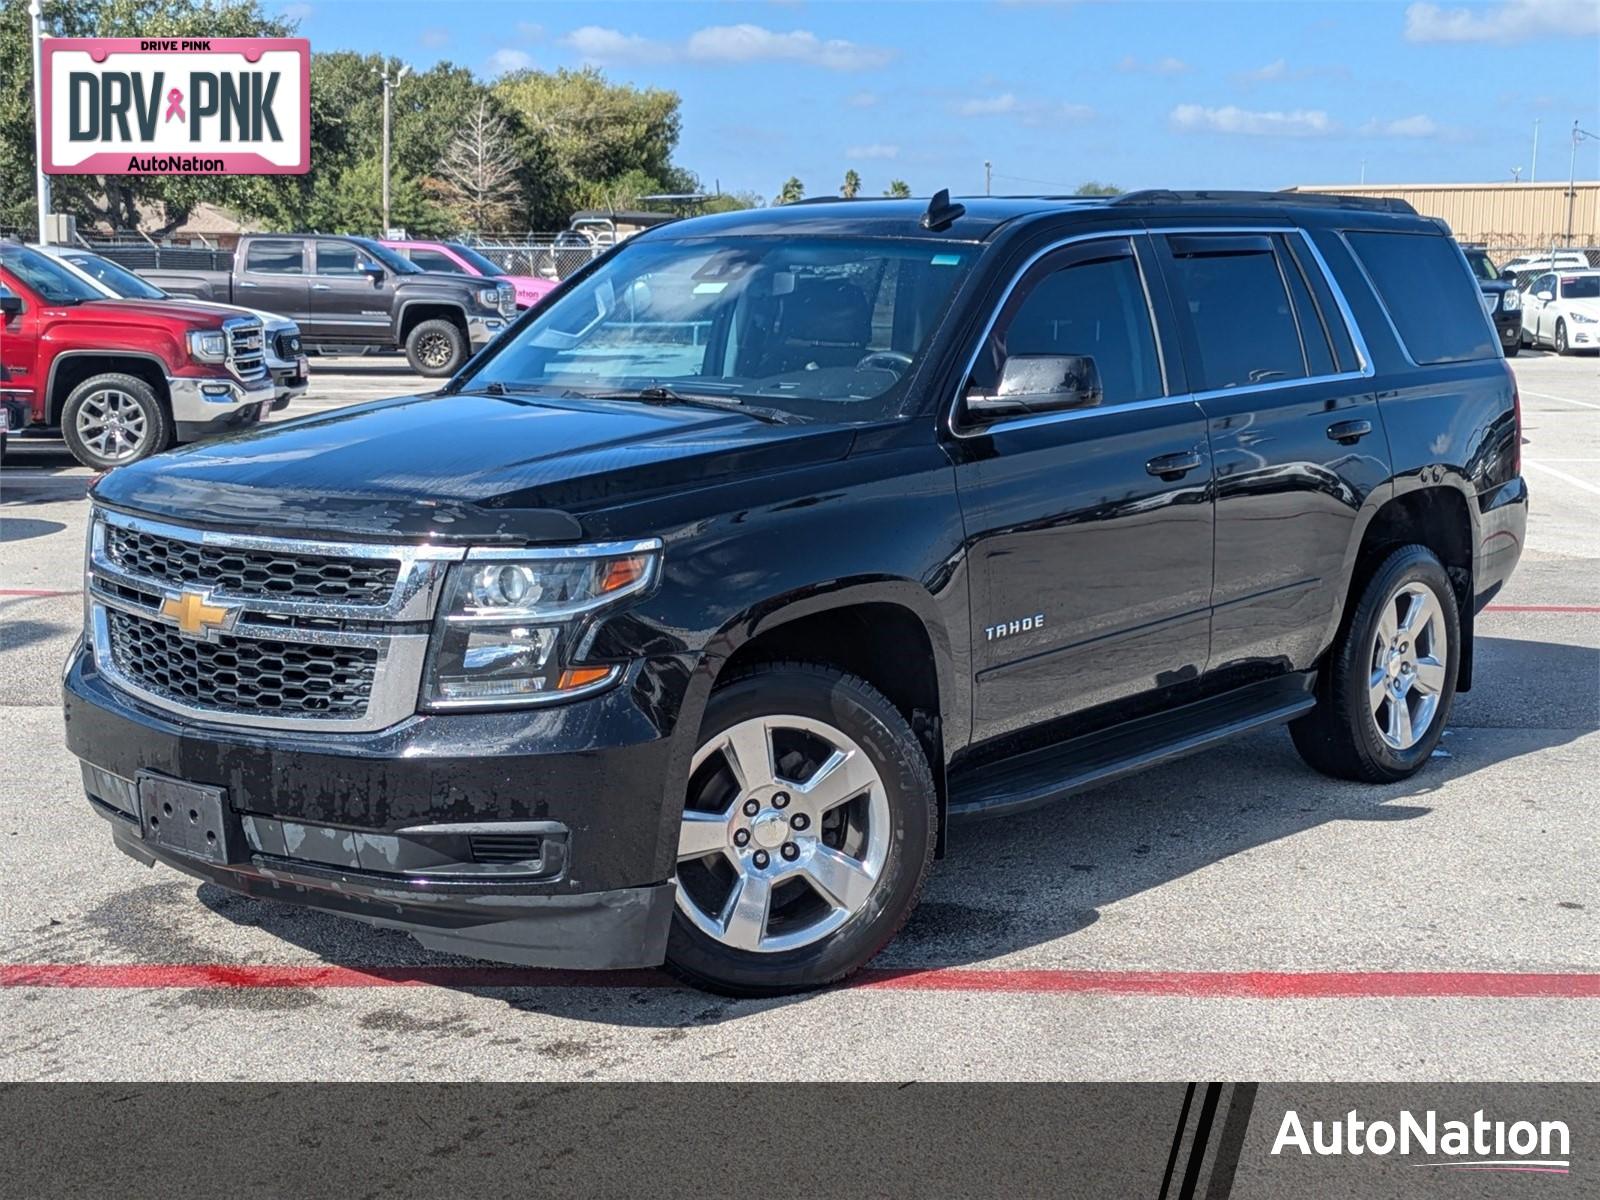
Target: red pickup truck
122,379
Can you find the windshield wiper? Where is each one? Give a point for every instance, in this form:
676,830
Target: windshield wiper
656,394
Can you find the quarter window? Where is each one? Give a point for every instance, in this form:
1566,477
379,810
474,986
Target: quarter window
1094,306
276,258
1432,299
1243,326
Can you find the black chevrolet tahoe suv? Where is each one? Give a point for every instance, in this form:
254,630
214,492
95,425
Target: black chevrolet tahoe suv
345,293
684,622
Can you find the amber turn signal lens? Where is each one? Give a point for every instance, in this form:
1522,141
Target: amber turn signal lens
620,572
577,677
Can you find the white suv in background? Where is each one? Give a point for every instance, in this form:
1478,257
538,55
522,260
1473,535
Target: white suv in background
1562,309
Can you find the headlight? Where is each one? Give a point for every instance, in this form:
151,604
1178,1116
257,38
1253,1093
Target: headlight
489,297
1579,319
1511,301
509,631
208,345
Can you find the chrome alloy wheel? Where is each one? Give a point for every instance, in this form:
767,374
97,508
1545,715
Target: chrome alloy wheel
785,835
112,424
1409,653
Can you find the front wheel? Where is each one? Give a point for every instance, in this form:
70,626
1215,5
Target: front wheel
1514,348
112,420
436,348
1561,338
1385,692
807,831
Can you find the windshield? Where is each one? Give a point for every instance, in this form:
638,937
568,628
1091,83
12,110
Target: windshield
820,328
42,274
1580,287
401,266
1481,266
119,279
484,265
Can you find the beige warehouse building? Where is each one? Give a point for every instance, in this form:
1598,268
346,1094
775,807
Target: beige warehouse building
1503,216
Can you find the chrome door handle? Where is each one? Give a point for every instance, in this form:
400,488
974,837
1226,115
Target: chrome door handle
321,287
246,283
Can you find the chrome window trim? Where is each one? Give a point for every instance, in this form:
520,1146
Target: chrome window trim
419,580
1365,370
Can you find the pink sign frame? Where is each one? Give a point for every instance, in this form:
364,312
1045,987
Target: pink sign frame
232,162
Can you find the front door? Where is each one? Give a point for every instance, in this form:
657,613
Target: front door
347,303
1296,437
19,378
273,278
1089,530
1536,310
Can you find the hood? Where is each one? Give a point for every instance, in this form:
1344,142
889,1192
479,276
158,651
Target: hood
147,312
445,279
1497,287
530,288
1589,308
464,467
271,322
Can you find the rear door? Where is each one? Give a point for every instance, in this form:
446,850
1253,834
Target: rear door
272,276
347,303
1089,530
1296,438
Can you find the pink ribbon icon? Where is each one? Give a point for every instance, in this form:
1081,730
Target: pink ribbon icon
175,105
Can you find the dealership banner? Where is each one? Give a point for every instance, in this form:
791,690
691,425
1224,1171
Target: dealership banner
1157,1141
176,106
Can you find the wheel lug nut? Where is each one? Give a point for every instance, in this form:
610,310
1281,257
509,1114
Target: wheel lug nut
741,837
761,858
780,800
791,851
751,808
799,821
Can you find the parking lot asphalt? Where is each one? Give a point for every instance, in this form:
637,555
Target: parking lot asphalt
1232,916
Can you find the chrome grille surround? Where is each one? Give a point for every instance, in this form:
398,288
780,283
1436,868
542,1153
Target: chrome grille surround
247,357
376,645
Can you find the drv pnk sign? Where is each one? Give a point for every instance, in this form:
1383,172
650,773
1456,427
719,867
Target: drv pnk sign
176,106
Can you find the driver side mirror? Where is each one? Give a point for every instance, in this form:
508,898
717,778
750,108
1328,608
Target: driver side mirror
374,272
1039,383
1545,295
10,303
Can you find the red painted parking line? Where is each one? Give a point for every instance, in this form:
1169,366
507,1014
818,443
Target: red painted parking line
1244,985
1544,608
37,592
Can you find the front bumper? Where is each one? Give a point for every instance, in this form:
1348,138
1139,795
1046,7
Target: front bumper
290,379
206,404
386,826
483,329
1509,326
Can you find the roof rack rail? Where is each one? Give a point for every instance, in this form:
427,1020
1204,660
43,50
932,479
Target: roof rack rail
1304,199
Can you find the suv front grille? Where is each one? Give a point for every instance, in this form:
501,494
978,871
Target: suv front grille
257,574
246,351
286,344
250,676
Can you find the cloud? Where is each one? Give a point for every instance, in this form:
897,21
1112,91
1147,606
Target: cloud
295,12
1301,122
1503,22
1029,112
531,30
876,150
1271,73
434,38
862,99
1161,66
725,44
1419,126
506,59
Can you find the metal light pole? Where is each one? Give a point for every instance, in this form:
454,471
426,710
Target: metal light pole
988,175
41,180
387,84
1533,168
1572,174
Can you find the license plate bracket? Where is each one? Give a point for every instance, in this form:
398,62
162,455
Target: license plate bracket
192,819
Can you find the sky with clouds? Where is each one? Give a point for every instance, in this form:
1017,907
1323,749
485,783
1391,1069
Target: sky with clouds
1141,93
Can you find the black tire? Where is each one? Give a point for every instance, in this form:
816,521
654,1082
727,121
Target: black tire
854,707
436,348
1514,349
1340,737
1561,339
157,430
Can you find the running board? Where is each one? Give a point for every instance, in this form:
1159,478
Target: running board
1041,776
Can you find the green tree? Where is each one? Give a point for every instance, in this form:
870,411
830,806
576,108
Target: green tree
898,188
731,202
793,190
1093,188
852,185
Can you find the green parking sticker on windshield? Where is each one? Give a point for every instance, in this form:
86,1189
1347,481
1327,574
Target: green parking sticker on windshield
947,260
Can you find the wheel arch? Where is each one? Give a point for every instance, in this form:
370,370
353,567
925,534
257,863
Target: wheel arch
414,312
69,368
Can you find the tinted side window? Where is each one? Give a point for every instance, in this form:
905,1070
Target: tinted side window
432,260
276,258
1430,299
338,258
1244,328
1093,307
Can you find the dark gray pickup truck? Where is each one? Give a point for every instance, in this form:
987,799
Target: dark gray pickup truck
343,292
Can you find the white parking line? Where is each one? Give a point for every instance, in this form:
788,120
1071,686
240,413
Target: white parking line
1563,399
1562,475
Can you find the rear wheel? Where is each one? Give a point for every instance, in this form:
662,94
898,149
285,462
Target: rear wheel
1384,694
436,348
112,420
806,834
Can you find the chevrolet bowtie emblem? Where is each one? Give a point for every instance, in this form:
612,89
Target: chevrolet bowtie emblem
195,617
